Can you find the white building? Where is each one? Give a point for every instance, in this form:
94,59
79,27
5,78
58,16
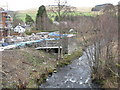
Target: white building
19,29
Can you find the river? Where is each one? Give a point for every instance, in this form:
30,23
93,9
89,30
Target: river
75,75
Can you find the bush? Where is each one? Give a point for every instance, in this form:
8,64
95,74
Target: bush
28,32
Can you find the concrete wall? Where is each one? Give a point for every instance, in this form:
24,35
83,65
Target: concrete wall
69,45
65,45
72,44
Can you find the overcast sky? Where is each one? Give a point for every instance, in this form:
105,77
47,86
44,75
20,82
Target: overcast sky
27,4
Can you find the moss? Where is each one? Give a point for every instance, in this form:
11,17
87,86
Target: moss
32,84
118,65
49,70
99,81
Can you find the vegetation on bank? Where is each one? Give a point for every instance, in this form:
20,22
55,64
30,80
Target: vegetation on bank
67,59
49,68
32,67
103,27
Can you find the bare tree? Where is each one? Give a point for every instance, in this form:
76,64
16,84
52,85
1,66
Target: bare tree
16,19
101,32
105,43
61,9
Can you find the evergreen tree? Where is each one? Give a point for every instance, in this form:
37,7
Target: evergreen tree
29,20
42,20
41,11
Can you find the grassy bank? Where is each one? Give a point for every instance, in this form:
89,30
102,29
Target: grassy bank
67,59
28,68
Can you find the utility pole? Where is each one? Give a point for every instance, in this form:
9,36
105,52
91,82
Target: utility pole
59,45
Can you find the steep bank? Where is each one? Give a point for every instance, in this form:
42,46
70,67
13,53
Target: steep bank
27,67
23,67
106,74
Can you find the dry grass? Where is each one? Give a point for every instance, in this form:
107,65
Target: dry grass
23,66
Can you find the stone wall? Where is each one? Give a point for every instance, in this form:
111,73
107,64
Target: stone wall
69,45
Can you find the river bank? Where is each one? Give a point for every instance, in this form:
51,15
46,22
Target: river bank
75,75
28,68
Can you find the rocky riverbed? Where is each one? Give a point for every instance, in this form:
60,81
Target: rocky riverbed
75,75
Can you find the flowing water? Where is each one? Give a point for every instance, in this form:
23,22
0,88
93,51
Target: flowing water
75,75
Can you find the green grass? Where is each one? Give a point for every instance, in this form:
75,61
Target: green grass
52,15
67,59
23,15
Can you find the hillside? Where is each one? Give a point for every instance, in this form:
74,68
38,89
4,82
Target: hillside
32,12
84,9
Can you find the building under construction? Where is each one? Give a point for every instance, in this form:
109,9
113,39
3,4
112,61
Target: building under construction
5,24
